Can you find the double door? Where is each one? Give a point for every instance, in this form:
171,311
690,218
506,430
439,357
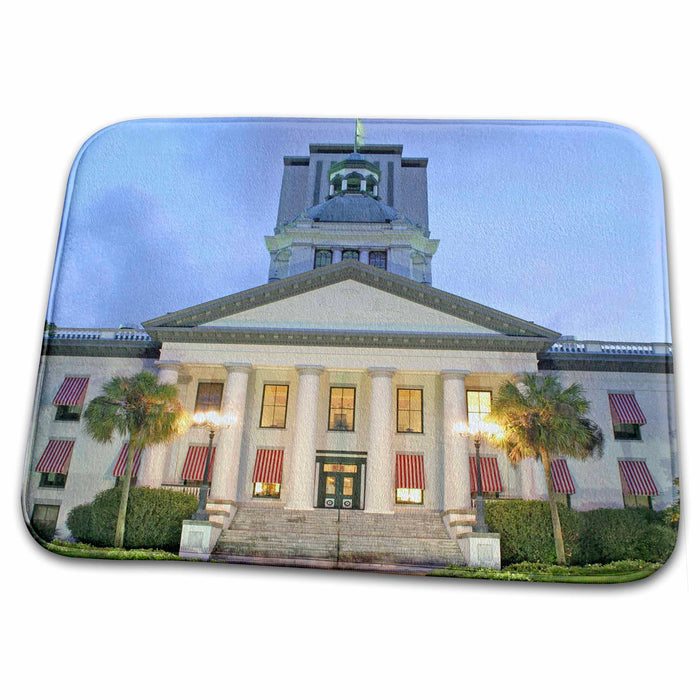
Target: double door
339,484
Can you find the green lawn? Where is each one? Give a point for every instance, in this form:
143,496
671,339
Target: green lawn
615,572
70,549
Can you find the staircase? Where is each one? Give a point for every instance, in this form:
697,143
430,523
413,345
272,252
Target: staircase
348,539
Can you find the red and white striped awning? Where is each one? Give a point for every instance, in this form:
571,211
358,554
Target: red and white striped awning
410,472
56,457
71,392
625,409
561,477
636,478
120,466
490,476
195,461
268,467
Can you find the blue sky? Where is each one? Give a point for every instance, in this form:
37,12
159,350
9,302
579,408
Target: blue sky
557,223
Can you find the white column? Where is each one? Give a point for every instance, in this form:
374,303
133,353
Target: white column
364,255
154,459
379,495
456,459
228,448
337,255
302,465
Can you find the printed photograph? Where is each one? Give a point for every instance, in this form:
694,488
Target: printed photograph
415,347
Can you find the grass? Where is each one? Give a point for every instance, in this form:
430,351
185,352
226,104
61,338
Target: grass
86,551
615,572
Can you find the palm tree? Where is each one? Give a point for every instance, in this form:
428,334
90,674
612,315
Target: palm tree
143,411
541,419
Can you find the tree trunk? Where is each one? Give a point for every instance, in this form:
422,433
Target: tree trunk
126,485
556,525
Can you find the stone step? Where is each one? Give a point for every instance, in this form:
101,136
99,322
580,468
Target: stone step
350,537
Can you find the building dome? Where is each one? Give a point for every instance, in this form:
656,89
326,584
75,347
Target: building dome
361,208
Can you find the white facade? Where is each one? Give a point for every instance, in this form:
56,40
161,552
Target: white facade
349,325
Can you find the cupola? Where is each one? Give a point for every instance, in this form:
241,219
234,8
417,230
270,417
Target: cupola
353,175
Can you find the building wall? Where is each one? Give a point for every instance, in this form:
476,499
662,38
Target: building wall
91,463
597,481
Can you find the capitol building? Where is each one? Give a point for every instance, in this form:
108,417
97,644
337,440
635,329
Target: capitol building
346,372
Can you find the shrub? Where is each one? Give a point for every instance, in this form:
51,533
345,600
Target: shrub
153,518
526,530
611,534
80,522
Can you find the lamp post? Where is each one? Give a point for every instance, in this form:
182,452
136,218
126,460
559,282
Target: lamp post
479,430
214,422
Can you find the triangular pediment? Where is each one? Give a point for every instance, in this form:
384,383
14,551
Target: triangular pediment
346,298
349,306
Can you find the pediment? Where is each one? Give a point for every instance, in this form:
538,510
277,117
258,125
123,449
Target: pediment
347,298
349,306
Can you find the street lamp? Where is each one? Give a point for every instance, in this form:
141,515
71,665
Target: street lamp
479,430
214,422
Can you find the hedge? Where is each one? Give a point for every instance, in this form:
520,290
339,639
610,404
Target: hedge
590,537
526,530
610,534
153,518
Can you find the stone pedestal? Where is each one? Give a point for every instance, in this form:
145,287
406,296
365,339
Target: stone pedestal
302,466
481,549
224,485
198,539
379,496
456,471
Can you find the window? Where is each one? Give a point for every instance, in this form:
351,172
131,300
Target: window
120,479
208,397
478,405
409,410
70,397
264,490
563,499
341,410
322,258
52,480
627,431
377,258
44,519
68,412
274,406
632,500
351,255
409,496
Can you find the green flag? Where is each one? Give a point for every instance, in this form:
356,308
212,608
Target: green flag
359,135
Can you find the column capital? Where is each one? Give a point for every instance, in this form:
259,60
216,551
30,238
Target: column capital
310,369
238,367
454,373
168,364
381,371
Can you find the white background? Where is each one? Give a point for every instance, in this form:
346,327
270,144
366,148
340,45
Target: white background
84,629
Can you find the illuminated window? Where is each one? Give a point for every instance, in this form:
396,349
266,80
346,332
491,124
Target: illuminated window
409,496
377,258
208,397
478,405
322,258
44,519
261,490
409,411
351,255
274,406
52,480
341,412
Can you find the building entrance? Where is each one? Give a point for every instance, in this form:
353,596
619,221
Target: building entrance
339,483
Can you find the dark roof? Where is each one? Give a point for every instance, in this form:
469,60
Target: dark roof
352,208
